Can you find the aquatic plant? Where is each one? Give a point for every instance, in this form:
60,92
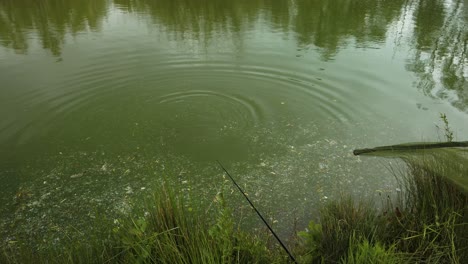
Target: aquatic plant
448,133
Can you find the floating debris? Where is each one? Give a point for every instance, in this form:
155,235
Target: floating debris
128,190
78,175
323,166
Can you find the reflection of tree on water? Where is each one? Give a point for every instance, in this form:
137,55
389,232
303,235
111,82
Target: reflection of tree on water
330,25
202,21
439,28
441,43
440,35
51,20
326,24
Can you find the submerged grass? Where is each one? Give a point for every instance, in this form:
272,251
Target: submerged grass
428,223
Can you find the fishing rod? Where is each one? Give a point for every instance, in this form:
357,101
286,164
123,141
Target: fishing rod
258,213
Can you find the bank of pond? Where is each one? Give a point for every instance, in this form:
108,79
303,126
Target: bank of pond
426,223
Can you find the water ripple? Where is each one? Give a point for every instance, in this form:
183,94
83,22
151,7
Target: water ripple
242,91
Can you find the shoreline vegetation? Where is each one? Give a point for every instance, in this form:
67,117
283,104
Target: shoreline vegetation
427,223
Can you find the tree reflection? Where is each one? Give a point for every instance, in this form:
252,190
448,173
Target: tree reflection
50,20
199,20
330,25
440,57
438,33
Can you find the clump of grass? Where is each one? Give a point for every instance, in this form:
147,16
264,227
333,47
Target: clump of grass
427,224
363,251
433,225
172,234
169,232
341,220
347,232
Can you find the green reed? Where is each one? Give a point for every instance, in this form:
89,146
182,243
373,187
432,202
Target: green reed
427,223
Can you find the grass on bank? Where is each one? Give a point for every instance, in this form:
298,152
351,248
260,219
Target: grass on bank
168,233
428,223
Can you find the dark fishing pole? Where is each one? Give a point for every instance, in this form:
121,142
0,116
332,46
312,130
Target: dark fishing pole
258,213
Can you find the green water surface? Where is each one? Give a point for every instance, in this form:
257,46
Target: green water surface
102,100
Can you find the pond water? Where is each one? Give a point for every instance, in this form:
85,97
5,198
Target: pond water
101,101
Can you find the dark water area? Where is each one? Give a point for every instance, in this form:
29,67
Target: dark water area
101,101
